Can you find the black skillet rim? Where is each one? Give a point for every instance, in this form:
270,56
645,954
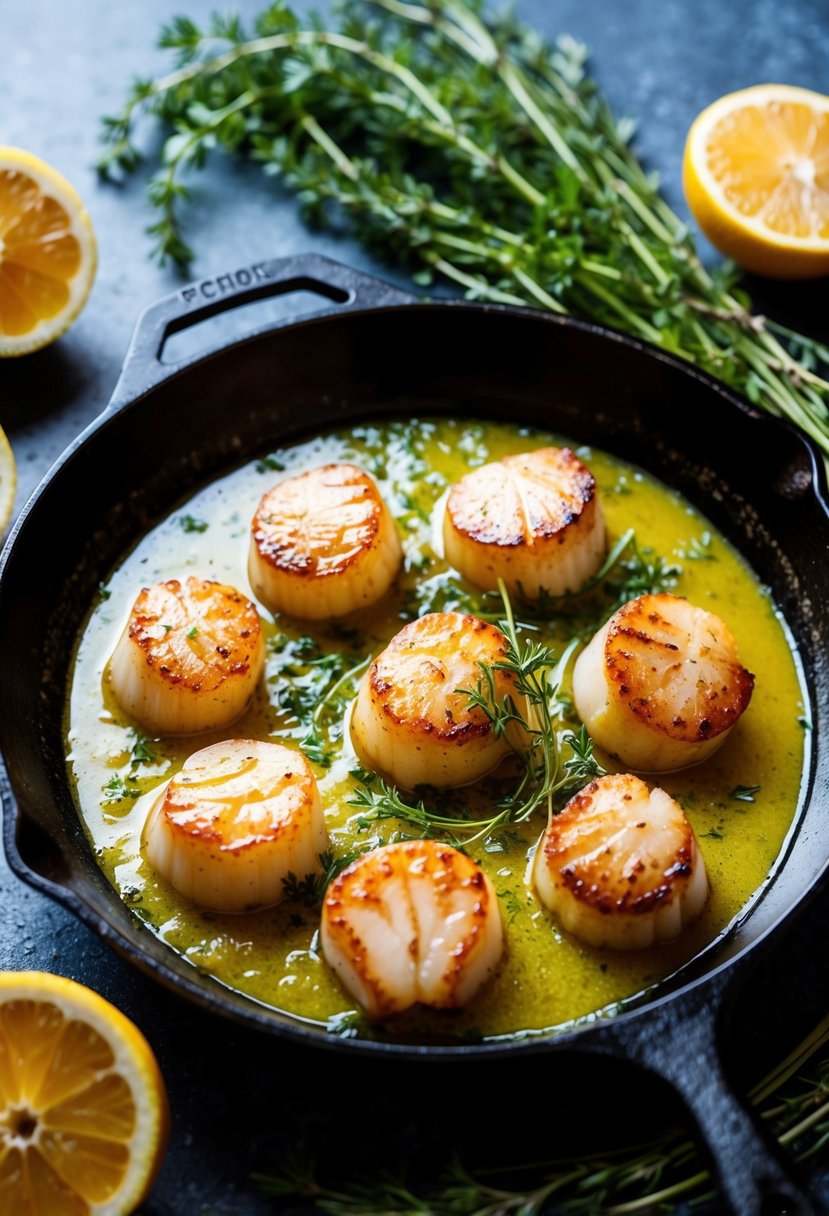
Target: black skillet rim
287,1026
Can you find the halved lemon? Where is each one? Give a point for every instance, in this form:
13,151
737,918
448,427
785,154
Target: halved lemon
8,481
48,254
83,1108
756,177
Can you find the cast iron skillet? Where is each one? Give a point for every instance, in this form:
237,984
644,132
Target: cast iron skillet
374,350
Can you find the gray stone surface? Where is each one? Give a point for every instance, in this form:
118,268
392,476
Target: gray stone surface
240,1101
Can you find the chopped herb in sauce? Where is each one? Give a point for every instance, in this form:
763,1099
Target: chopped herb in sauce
190,524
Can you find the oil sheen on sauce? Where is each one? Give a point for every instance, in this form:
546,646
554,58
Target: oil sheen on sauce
546,978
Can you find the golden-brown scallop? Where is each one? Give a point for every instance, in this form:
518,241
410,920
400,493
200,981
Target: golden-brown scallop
234,822
661,684
323,544
534,520
189,657
411,721
620,865
410,923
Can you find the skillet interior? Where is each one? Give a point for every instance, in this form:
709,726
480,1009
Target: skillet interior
752,477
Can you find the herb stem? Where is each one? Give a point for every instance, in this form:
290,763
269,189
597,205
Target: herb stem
328,145
647,217
654,1198
334,691
537,291
477,286
794,1133
515,84
646,257
615,304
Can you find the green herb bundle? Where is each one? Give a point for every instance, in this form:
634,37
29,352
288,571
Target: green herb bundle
666,1176
467,149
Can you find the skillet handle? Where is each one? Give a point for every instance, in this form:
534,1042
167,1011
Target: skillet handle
679,1042
345,288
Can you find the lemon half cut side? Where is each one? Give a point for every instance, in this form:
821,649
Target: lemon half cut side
83,1109
756,177
8,482
48,254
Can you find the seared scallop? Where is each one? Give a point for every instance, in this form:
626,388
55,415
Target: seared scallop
661,684
412,719
189,658
533,520
410,923
237,819
620,865
323,544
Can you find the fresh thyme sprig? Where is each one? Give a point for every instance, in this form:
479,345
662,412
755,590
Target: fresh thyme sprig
470,150
529,721
657,1177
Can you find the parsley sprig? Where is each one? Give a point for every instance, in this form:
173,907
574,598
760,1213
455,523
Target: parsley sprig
466,148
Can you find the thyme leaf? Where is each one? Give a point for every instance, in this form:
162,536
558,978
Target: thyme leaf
117,789
141,751
189,523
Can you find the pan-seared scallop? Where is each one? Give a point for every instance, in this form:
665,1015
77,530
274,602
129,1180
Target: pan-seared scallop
620,865
189,658
234,822
533,520
410,923
412,720
661,684
323,544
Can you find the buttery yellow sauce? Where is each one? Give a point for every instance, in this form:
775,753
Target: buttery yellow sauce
546,978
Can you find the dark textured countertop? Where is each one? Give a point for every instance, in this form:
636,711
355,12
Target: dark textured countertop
240,1101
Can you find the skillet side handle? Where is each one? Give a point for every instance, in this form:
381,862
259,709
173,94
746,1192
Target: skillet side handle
680,1045
346,289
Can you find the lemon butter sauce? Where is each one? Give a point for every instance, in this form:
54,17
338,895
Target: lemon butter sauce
741,801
